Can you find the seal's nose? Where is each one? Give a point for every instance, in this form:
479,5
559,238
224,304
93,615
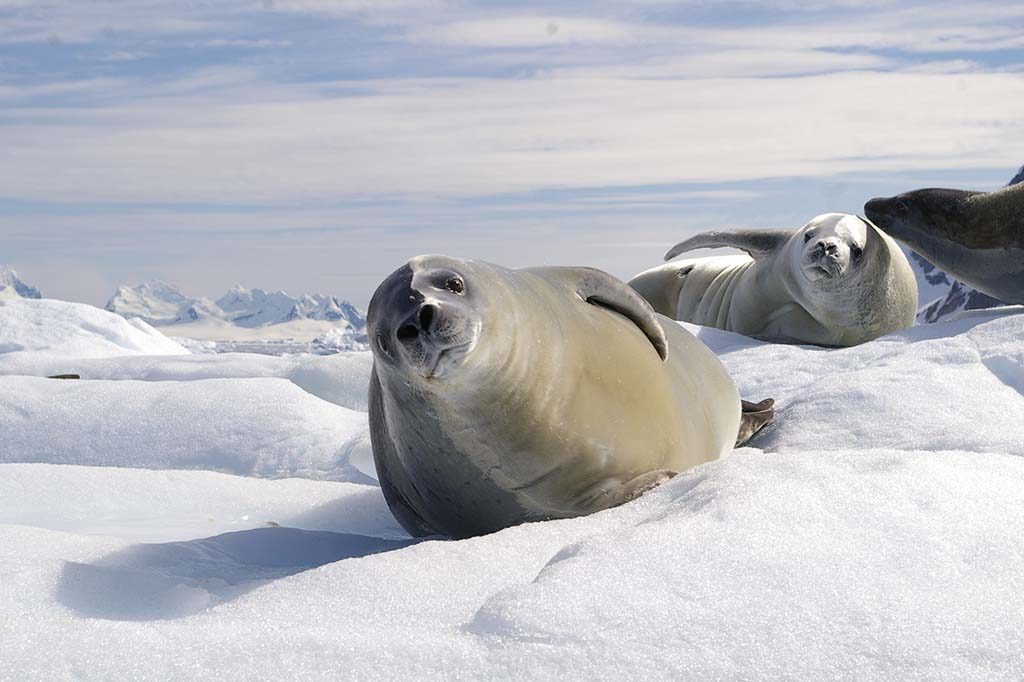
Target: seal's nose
827,248
420,323
428,311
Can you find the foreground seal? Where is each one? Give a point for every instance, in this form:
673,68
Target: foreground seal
978,237
837,281
501,396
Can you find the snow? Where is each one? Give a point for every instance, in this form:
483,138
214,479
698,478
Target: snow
251,427
223,529
74,330
300,330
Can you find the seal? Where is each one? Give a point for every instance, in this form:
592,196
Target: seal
837,281
977,237
502,396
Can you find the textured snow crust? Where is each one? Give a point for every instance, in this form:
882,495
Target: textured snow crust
876,531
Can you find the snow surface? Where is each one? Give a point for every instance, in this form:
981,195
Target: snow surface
51,328
875,532
301,331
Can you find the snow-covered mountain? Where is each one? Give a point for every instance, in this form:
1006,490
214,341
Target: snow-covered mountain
1018,178
161,304
11,286
257,308
941,296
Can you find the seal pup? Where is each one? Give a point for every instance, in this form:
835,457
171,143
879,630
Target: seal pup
837,281
977,237
501,396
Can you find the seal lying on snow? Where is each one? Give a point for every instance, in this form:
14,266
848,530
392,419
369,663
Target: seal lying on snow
501,396
837,281
978,237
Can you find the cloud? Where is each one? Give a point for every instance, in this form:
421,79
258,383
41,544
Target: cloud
121,56
210,138
534,31
348,7
261,43
524,133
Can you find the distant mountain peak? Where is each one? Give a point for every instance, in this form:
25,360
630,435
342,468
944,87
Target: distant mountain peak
162,304
1018,178
12,285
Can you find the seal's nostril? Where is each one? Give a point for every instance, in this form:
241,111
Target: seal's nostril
407,332
427,313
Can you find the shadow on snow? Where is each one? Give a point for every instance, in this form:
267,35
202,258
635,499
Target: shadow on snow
177,579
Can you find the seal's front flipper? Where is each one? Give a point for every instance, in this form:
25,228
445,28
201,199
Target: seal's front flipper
601,289
757,243
753,418
612,493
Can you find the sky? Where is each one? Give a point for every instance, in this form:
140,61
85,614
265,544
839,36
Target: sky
315,145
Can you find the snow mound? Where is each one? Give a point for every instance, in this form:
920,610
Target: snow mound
929,387
254,427
62,329
341,379
166,506
838,565
11,286
875,532
339,340
822,565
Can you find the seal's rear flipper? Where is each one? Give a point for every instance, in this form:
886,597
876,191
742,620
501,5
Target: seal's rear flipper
753,418
612,493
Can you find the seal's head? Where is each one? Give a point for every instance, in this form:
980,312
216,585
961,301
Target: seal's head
923,214
424,319
833,247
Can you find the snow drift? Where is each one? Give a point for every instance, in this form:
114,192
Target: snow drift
875,532
47,327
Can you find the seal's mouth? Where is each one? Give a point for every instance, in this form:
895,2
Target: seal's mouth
877,211
830,266
445,359
820,263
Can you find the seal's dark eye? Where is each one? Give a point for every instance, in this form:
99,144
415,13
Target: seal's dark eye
807,237
455,285
857,252
901,206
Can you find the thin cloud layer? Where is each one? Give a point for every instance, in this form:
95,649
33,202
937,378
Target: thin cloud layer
271,116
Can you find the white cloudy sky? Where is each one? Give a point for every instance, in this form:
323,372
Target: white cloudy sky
316,144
